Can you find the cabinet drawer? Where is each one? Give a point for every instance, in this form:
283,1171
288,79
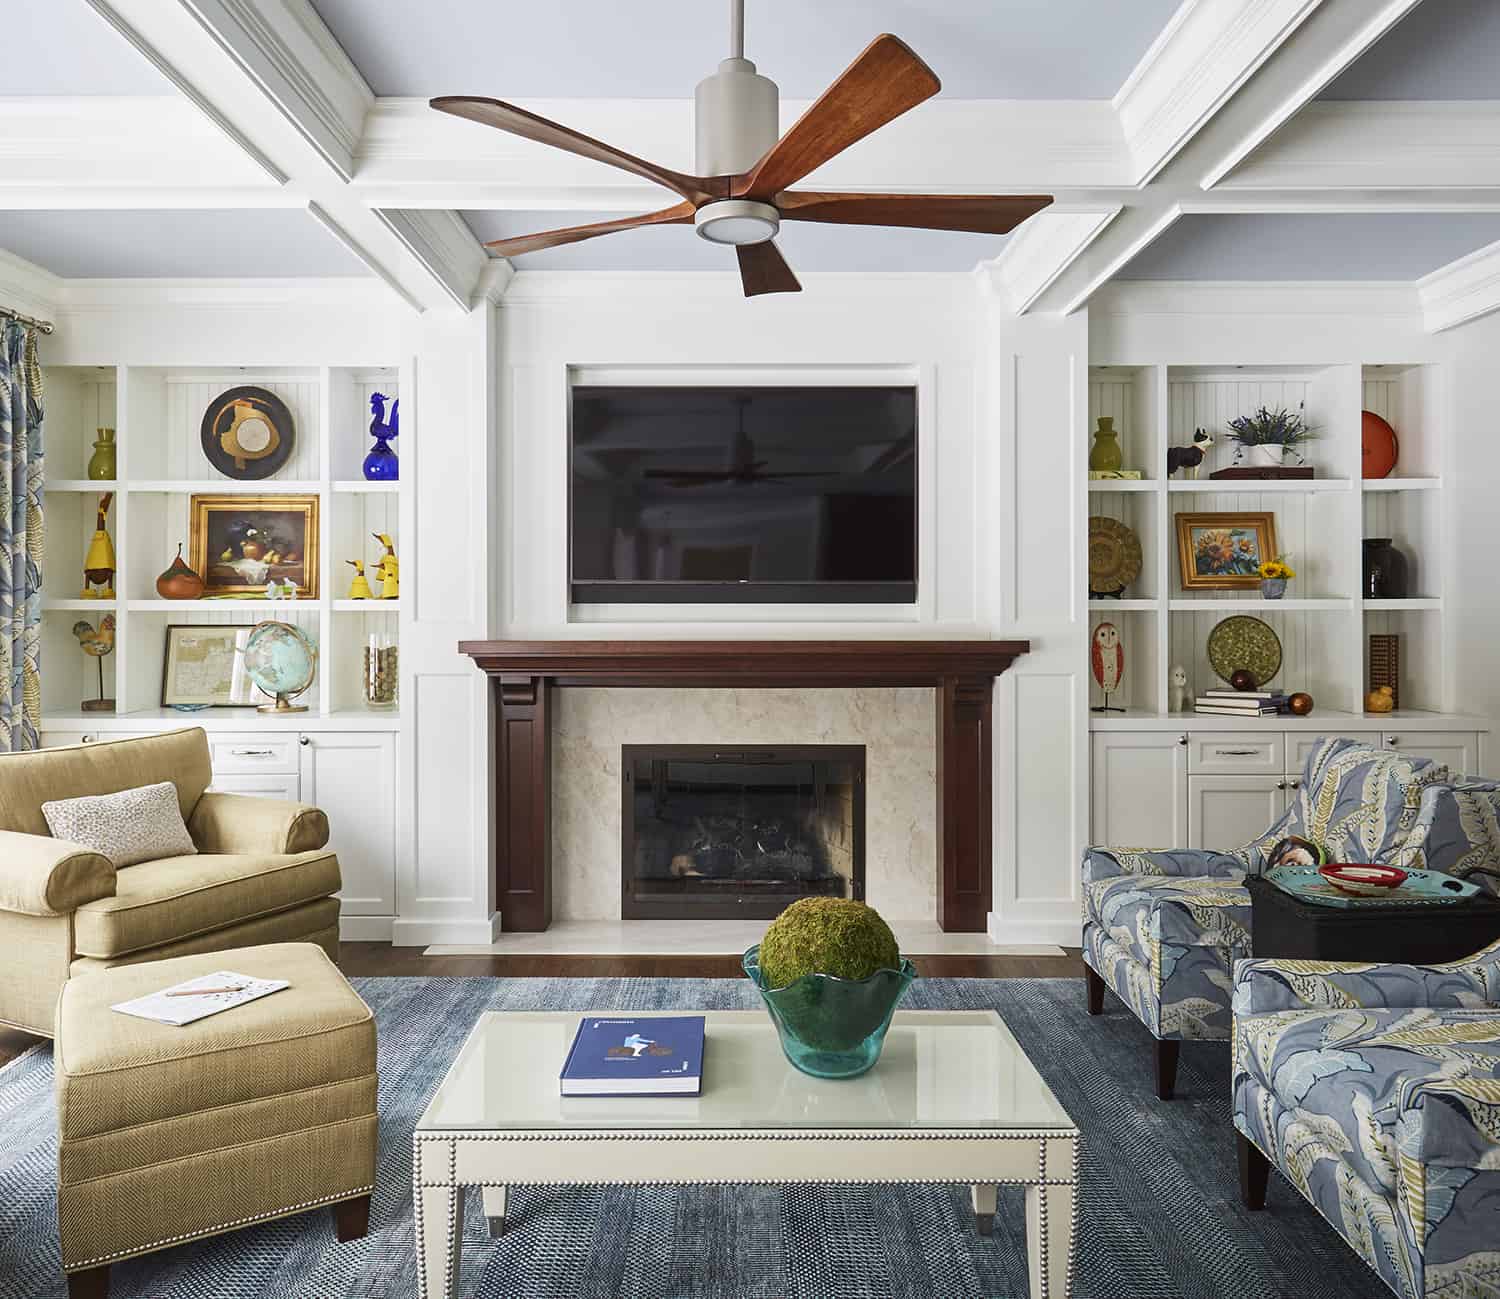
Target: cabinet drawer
65,739
1457,750
234,754
267,786
1236,753
1300,743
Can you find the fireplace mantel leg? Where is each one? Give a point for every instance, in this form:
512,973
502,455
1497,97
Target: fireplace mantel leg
965,715
523,802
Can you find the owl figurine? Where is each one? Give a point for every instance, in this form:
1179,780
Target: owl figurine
1107,655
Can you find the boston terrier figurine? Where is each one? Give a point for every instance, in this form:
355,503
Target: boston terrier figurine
1189,458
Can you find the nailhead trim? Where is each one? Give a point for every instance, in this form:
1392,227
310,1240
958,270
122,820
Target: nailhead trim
222,1227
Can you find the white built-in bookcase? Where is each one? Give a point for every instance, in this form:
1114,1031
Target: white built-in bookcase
156,413
1323,623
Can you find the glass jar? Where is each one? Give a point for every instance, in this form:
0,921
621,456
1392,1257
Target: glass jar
381,663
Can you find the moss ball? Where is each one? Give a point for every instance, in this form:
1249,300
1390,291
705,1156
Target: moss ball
827,936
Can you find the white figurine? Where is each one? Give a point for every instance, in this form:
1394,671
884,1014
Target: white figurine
1179,689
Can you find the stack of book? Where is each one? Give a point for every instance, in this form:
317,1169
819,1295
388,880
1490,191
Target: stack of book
1240,703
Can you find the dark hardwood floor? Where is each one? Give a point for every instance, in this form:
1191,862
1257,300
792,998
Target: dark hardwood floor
382,959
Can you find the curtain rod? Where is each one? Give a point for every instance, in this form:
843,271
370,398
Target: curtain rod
44,325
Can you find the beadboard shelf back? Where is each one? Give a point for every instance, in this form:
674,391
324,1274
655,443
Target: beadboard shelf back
1324,621
156,412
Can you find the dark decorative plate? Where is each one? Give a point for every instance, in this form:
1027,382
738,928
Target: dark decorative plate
248,433
1244,642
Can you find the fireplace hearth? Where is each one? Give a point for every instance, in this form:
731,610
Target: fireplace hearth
724,832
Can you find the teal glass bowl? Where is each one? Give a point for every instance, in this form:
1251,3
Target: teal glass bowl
831,1027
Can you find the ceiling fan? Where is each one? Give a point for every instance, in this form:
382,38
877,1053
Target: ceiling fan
743,466
741,195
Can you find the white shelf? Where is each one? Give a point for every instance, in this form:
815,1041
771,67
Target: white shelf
1402,606
367,606
1329,721
1258,486
1403,484
361,485
1312,604
88,485
225,719
1124,606
252,606
224,486
1122,485
74,603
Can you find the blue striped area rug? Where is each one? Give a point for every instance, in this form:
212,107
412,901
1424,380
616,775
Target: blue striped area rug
1159,1217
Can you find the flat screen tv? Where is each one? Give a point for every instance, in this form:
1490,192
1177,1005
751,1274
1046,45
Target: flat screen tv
743,495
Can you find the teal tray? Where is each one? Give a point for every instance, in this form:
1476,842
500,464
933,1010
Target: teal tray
1420,889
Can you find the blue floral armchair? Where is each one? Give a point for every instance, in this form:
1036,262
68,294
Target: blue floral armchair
1375,1089
1164,929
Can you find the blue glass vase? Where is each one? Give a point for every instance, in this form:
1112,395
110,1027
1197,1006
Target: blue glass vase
382,464
832,1027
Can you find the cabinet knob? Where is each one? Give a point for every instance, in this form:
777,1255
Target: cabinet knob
1281,784
1182,740
87,739
304,740
1391,741
1294,784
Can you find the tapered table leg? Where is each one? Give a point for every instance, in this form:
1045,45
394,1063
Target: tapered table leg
1049,1239
984,1194
440,1224
494,1209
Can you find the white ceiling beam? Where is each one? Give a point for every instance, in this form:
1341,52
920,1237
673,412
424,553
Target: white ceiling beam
1387,144
270,74
1462,291
1041,250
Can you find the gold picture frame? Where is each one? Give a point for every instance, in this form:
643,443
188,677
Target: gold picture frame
1223,550
241,541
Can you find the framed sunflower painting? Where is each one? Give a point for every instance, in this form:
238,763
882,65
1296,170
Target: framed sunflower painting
1223,551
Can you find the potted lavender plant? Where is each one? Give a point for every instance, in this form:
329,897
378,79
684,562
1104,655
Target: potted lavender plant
1268,438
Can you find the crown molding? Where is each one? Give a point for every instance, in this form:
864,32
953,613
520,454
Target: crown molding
1379,145
623,289
1041,250
1461,291
441,241
28,288
302,69
82,296
1201,299
1206,53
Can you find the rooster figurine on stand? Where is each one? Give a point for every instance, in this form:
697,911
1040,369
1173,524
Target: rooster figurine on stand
96,644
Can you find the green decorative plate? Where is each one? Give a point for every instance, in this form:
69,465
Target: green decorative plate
1244,642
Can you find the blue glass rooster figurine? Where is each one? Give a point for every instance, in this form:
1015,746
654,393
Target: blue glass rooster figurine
381,465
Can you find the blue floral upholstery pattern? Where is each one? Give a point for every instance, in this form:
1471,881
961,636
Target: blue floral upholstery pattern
1458,831
1163,929
1376,1090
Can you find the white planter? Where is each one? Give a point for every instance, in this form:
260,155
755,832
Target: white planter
1266,456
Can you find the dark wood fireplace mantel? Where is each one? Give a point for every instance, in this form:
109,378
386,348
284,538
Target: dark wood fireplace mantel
524,673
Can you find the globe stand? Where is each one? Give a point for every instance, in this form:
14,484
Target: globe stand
281,706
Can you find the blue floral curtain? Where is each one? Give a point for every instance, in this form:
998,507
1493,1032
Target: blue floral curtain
20,538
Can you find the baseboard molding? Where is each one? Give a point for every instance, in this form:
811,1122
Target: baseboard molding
417,932
1062,933
366,929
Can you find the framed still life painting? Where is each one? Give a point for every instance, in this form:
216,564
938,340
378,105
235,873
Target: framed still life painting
240,542
1224,551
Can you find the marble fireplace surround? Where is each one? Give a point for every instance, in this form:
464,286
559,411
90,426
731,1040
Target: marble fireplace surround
561,716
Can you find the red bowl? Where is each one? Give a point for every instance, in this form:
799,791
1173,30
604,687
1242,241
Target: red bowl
1363,879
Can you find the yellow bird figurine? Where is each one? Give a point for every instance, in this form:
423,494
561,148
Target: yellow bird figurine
359,588
99,561
389,568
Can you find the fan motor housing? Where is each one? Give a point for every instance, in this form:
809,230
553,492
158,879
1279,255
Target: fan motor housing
735,118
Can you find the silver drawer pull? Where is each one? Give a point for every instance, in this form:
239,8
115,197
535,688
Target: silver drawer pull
1236,753
253,753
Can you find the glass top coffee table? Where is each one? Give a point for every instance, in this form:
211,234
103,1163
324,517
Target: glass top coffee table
953,1099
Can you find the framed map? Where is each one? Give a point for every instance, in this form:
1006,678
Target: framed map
205,667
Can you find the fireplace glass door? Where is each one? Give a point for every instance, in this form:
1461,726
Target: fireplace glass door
730,832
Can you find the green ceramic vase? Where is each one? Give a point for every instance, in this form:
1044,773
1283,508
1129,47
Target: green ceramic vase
1105,453
830,1027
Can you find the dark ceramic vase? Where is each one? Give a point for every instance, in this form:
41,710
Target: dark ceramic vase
1385,570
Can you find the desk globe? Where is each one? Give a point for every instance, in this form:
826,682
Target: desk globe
282,662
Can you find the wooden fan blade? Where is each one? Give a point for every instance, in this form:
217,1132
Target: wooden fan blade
987,214
764,270
507,117
680,214
881,84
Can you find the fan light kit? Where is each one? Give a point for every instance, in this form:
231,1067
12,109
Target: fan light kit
740,195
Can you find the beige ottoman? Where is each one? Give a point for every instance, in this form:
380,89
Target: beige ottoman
168,1134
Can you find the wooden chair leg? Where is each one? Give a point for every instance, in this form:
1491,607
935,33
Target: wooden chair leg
1255,1172
351,1218
93,1283
1095,988
1167,1051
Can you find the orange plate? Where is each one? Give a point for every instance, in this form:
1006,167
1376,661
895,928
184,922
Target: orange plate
1378,445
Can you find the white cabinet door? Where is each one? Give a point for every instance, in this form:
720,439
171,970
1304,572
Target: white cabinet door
1227,812
1458,750
1236,753
1139,789
352,777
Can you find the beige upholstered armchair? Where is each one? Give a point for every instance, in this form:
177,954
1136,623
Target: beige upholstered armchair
261,873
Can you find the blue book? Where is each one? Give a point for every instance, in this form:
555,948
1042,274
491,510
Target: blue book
617,1055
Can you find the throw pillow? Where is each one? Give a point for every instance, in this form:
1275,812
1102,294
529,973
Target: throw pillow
132,826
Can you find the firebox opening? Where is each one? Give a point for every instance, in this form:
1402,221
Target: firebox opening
740,832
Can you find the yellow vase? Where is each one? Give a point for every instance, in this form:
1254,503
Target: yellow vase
102,462
1105,453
